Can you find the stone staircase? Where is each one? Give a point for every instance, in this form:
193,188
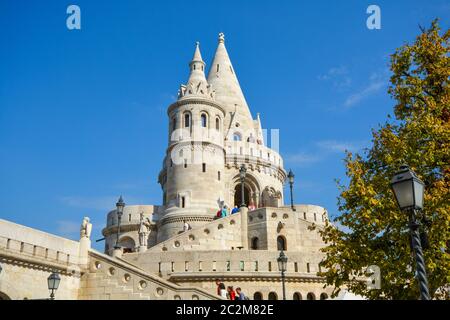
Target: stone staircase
219,234
108,278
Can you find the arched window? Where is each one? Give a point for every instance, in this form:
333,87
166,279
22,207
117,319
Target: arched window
273,296
127,244
310,296
217,124
255,243
323,296
297,296
281,243
237,136
257,296
203,120
187,120
174,124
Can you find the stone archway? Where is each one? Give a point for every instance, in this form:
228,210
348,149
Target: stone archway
252,191
4,296
128,244
238,195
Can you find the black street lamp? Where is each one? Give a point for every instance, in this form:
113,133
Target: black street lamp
291,183
408,191
53,283
282,266
242,172
119,209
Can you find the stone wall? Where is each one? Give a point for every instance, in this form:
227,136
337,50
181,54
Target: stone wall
28,256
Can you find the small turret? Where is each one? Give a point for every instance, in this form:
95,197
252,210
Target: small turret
196,84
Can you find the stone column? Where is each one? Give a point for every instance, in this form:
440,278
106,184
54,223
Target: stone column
244,227
85,246
257,204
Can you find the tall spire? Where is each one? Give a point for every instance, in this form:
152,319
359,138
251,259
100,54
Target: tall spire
196,84
197,66
224,82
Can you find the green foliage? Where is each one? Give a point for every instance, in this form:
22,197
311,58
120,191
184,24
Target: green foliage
377,232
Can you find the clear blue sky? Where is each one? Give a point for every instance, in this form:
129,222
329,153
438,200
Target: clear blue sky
83,112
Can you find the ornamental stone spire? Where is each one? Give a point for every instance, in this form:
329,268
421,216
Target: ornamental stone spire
196,84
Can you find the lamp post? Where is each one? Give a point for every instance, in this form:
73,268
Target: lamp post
282,266
408,191
291,183
53,283
119,209
242,172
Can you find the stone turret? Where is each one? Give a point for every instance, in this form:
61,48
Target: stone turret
211,135
192,172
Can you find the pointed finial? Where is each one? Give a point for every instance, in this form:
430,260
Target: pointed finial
221,37
197,55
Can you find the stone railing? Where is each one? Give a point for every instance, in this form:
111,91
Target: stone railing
26,243
29,250
232,263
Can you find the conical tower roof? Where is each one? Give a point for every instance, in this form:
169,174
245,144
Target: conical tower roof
225,84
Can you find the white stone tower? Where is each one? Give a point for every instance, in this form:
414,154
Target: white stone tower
191,177
211,134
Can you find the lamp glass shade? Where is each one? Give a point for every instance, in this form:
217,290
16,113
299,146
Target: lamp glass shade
291,177
119,205
53,281
418,194
408,189
282,262
404,193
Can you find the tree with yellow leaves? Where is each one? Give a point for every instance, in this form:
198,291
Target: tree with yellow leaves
374,231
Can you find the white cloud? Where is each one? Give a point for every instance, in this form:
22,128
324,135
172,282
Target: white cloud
338,146
341,227
333,72
338,76
96,203
302,159
375,84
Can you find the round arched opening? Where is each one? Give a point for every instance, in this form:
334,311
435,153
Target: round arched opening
297,296
310,296
255,243
273,296
127,244
257,296
281,243
4,296
323,296
238,195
